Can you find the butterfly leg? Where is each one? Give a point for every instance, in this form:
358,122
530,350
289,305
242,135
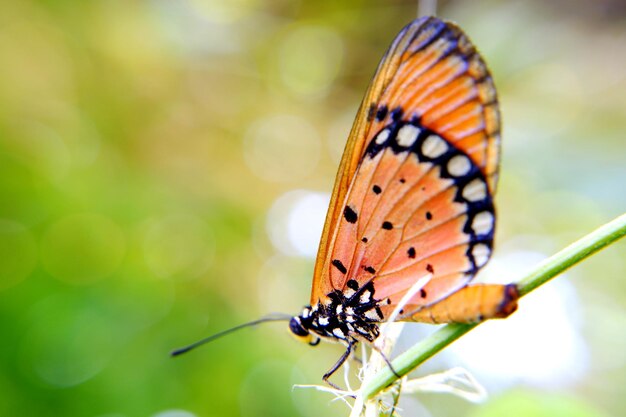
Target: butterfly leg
387,361
355,357
337,365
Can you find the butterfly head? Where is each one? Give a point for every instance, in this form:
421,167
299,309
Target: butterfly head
301,333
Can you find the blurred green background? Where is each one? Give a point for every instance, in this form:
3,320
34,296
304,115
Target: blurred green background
164,170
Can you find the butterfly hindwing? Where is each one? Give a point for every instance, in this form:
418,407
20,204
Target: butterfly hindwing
426,219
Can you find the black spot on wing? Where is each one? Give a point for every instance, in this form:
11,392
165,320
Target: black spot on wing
396,114
411,252
350,215
370,269
381,113
353,285
376,189
430,268
387,225
429,215
371,112
339,265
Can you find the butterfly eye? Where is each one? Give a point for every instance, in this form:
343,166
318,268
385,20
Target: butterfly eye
299,331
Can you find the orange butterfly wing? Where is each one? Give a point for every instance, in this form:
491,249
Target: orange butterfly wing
414,187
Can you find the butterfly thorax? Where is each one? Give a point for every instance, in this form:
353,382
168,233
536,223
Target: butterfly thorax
346,316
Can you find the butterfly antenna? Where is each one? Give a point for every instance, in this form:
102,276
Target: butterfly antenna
273,317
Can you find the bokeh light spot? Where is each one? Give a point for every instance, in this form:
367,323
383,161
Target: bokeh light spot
539,345
295,222
174,413
523,403
178,246
18,251
282,148
284,283
83,248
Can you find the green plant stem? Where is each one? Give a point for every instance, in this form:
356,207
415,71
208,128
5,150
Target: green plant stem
545,271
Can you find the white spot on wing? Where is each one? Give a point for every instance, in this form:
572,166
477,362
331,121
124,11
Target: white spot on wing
365,297
348,292
382,137
372,315
323,321
482,223
339,309
433,146
459,165
476,190
407,135
481,252
339,333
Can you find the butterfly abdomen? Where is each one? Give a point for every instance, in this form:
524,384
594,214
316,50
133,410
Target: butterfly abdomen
472,304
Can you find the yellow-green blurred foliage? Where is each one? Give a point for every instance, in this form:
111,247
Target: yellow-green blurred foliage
147,149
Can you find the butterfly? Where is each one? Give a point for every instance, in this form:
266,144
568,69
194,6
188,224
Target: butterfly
413,197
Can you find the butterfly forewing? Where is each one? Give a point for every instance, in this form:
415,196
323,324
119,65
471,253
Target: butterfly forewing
413,195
